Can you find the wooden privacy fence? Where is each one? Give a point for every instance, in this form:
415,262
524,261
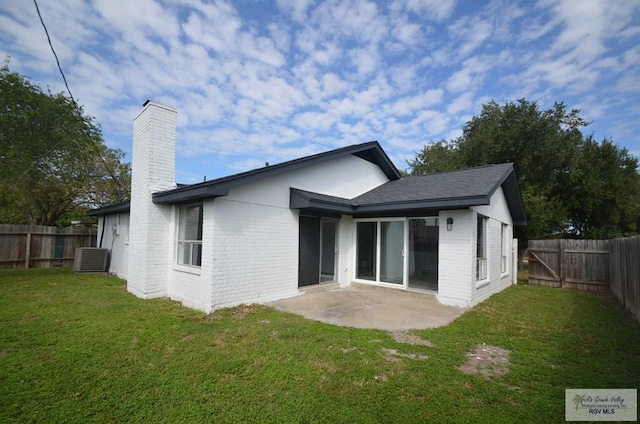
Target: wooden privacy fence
37,246
578,264
624,276
602,265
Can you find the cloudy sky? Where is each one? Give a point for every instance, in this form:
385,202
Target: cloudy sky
257,80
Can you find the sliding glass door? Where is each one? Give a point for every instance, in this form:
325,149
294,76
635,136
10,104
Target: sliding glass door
380,251
366,250
392,252
423,253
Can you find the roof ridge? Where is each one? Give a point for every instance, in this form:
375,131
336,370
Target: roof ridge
491,165
277,165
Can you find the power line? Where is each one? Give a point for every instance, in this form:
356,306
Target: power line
76,106
46,31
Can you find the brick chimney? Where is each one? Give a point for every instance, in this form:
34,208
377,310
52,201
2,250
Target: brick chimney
153,169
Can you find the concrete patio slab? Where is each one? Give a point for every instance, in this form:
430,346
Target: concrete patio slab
364,306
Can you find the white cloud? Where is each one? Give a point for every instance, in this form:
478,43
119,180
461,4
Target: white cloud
366,60
300,77
589,23
432,122
461,103
297,9
313,121
473,72
460,80
563,72
408,105
404,76
436,10
351,19
408,33
135,25
506,19
333,85
469,33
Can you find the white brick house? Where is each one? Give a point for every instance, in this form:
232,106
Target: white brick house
342,216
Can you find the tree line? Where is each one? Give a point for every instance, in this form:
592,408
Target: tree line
572,185
54,164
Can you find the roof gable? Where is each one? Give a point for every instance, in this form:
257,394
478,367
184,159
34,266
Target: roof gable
371,151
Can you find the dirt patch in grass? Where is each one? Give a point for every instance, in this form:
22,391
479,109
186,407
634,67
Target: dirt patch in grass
487,361
244,310
392,355
404,337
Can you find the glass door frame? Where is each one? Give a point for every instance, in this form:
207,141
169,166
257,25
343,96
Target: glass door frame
378,249
411,251
334,248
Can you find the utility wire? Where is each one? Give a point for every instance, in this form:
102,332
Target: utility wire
64,78
46,31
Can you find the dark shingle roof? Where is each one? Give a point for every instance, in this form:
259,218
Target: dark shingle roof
467,183
423,194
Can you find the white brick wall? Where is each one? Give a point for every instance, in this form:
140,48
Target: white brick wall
498,213
255,253
153,169
189,285
497,280
456,258
498,208
347,177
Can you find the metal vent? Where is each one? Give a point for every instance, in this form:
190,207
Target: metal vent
90,259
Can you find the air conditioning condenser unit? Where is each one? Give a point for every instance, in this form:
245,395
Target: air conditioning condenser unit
90,259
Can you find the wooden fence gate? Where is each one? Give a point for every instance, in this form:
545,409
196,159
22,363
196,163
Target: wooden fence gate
578,264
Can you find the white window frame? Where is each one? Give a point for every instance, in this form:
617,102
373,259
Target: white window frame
192,246
482,248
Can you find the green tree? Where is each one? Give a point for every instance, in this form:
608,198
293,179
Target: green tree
571,185
603,191
54,164
440,156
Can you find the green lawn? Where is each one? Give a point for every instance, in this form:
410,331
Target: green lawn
78,348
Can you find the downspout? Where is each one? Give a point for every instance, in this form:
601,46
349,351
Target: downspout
104,221
113,239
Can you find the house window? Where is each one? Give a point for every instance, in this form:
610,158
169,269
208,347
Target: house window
481,248
503,249
190,235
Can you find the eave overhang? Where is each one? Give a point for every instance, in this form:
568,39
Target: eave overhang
111,209
190,194
320,203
